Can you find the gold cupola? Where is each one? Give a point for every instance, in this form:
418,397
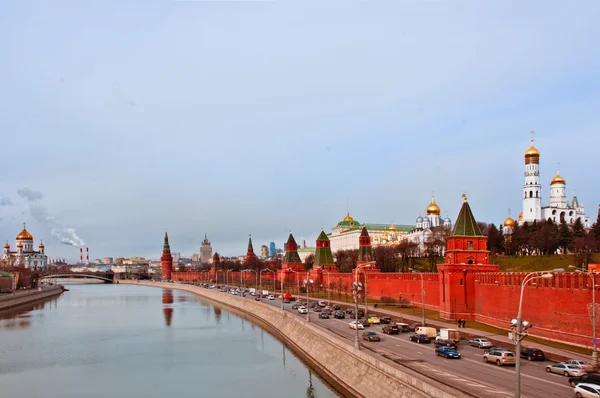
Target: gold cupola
532,155
558,179
6,245
392,228
509,222
348,217
433,208
24,235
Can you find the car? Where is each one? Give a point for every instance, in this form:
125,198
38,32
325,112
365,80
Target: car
371,336
565,370
339,315
413,326
447,352
499,357
480,342
257,298
588,367
337,307
271,297
365,322
373,319
533,354
420,338
328,310
295,306
286,301
586,378
446,343
302,310
385,320
354,325
390,329
349,311
404,327
323,303
324,315
584,390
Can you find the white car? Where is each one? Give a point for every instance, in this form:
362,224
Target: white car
302,310
271,297
565,370
481,343
588,367
585,390
356,325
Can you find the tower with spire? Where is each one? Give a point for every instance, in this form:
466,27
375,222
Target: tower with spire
205,251
250,255
291,258
532,189
323,256
365,251
166,260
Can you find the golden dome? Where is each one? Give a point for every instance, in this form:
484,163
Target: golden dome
24,235
509,222
521,216
19,244
7,246
392,228
433,208
558,179
42,245
348,218
532,152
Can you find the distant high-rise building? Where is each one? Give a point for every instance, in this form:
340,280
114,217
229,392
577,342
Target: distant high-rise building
205,251
264,251
272,249
195,257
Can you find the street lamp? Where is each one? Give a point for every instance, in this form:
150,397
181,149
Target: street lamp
261,271
521,326
356,288
328,287
216,277
307,283
422,295
227,276
253,270
592,276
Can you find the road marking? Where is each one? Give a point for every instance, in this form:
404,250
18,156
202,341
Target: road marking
419,353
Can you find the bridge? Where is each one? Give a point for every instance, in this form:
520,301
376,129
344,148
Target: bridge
107,277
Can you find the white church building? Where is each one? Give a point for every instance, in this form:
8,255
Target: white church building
24,254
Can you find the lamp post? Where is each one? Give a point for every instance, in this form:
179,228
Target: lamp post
592,276
261,271
328,288
227,276
255,279
282,278
356,288
216,277
521,326
307,283
422,295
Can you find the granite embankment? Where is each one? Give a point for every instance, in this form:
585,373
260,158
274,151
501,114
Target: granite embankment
18,298
353,372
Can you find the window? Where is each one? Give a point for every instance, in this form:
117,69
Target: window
461,281
470,245
531,194
536,194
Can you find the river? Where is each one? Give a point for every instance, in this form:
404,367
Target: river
130,341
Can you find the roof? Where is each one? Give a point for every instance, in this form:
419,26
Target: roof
4,274
322,236
381,227
466,225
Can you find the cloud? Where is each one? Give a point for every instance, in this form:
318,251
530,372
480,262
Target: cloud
29,195
5,202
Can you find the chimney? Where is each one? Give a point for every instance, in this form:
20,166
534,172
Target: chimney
87,255
81,255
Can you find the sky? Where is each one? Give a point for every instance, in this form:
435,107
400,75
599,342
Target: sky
122,119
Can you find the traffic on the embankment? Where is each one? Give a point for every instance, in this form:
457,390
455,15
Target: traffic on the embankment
471,366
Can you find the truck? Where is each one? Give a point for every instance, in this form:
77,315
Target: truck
429,331
448,334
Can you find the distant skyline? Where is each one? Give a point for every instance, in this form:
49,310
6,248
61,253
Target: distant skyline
121,120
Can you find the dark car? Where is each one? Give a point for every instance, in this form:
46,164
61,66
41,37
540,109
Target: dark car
385,320
350,311
420,338
415,325
337,307
339,315
447,352
324,315
371,336
365,322
587,378
257,298
295,306
533,354
446,343
391,329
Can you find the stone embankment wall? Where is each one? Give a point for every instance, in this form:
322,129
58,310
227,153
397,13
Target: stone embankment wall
352,371
8,301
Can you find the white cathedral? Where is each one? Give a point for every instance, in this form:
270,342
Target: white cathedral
25,254
559,207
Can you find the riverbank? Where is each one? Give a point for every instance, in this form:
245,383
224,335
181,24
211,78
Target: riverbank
18,298
353,372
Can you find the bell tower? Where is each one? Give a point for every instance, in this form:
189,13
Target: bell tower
166,260
532,190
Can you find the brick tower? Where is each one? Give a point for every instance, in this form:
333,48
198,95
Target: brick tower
365,251
291,260
215,267
166,260
250,255
323,255
466,254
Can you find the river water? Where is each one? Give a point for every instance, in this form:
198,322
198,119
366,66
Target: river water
131,341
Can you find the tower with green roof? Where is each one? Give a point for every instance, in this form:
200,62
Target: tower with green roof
323,255
365,251
466,245
291,259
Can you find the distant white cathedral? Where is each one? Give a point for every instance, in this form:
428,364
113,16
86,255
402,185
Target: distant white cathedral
206,251
559,207
25,254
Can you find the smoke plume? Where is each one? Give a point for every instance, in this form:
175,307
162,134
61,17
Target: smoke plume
29,195
5,202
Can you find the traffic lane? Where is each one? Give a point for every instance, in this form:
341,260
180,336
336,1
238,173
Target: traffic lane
473,366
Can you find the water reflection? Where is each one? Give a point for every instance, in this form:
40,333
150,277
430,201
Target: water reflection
310,391
20,317
167,300
217,311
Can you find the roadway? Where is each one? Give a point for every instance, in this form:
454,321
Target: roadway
469,373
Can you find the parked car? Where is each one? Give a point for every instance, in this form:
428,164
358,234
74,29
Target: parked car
420,338
588,367
302,310
404,327
371,336
533,354
446,343
390,329
339,314
324,315
354,325
498,357
385,320
413,326
565,370
447,352
585,390
586,378
373,319
480,342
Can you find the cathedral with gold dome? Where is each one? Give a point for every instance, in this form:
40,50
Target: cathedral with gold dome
559,208
344,236
24,254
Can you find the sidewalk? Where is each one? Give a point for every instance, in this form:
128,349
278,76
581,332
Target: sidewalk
552,353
